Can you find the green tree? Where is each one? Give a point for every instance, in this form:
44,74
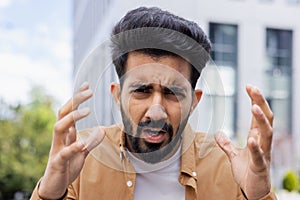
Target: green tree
290,181
25,139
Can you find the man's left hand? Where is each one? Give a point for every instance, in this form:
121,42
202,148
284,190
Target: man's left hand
251,165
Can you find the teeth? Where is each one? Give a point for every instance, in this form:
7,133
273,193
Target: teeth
154,133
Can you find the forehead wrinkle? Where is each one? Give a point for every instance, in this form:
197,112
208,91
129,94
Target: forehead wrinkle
159,78
176,84
157,73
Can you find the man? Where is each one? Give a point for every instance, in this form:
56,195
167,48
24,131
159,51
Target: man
155,154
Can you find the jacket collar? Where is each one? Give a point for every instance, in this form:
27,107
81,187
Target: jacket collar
188,163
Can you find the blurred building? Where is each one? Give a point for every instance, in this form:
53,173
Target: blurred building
254,41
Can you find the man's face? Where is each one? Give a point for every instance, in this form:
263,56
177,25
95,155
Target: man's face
156,100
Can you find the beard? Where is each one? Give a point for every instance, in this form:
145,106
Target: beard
152,152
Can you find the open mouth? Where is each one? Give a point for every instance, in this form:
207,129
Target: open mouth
154,135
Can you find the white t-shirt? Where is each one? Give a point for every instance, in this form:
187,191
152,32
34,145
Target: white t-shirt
159,180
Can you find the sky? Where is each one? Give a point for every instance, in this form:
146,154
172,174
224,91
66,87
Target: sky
35,49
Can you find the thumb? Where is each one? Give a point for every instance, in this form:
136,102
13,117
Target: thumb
226,145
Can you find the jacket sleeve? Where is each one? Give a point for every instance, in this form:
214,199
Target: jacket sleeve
270,196
67,196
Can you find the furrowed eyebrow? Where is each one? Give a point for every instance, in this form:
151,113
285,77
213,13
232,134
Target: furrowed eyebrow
170,87
173,88
140,85
176,89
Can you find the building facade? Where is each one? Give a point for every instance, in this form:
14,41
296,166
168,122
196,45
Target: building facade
254,42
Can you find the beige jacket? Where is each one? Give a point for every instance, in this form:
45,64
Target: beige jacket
107,173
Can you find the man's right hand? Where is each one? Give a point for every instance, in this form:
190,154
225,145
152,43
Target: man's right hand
67,154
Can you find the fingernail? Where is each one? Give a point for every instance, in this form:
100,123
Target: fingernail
84,84
257,109
258,90
87,92
221,137
71,129
80,144
84,111
249,85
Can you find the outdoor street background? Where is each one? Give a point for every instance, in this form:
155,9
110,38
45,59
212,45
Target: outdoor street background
46,50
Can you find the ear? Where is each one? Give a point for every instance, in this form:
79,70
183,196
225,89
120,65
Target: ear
115,91
196,99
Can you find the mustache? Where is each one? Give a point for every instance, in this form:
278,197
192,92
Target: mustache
158,124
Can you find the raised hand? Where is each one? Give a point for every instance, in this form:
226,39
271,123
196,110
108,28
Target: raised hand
251,165
67,155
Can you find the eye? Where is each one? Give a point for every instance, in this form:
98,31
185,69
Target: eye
142,89
174,91
175,94
169,91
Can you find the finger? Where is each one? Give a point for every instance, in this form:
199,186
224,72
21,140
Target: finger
84,91
265,130
257,155
94,138
68,152
254,133
71,136
258,99
68,106
226,145
79,97
62,126
84,86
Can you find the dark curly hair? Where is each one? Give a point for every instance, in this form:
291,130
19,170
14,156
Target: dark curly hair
157,33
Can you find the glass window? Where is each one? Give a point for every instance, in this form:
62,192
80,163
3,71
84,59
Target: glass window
293,1
224,38
279,77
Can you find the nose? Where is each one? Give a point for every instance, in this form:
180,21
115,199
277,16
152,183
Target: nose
156,110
